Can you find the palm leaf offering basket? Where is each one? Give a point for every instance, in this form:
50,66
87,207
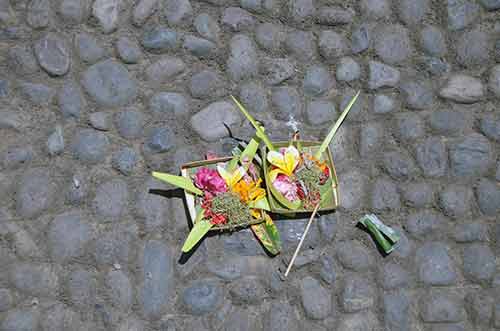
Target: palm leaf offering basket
300,175
330,191
187,171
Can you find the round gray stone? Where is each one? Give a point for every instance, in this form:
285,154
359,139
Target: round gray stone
125,161
160,39
237,19
385,195
348,69
206,83
471,156
435,266
21,320
107,13
418,194
392,43
432,157
36,192
100,120
178,12
38,14
320,112
254,97
442,306
334,15
203,296
6,299
53,54
461,13
128,50
130,124
74,11
332,45
35,278
207,27
164,70
22,60
375,9
463,89
270,36
109,84
409,126
55,142
316,299
120,289
433,41
397,311
494,81
90,146
243,60
474,48
111,198
88,48
448,121
382,75
82,286
470,232
277,70
71,101
249,290
170,103
488,197
157,278
413,11
68,235
418,94
370,138
160,140
354,256
394,276
301,44
317,80
209,122
199,47
360,38
424,222
479,262
358,294
383,104
143,10
399,164
287,102
456,200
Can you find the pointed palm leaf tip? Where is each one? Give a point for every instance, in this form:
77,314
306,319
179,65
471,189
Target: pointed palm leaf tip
258,128
335,127
179,181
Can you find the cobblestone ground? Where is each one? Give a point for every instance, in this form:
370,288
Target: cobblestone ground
96,94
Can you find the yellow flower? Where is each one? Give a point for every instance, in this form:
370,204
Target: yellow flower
249,191
233,178
285,163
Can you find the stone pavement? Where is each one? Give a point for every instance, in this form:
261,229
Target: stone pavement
96,94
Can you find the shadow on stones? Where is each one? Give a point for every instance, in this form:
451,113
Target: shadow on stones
173,193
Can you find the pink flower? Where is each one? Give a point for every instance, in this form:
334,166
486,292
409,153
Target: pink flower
286,187
210,181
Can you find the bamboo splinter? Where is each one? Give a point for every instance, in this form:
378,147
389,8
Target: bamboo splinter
302,239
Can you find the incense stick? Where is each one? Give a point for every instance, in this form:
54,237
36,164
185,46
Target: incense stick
302,239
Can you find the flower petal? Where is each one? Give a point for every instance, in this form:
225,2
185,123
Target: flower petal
291,159
276,158
224,174
274,173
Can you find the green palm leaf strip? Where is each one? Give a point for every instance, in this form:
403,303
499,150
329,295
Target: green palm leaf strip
199,230
326,193
258,129
179,181
335,127
262,203
268,235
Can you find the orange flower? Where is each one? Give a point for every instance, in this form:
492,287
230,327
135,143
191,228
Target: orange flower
249,190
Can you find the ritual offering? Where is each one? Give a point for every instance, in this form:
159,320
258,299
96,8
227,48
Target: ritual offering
226,194
300,175
385,236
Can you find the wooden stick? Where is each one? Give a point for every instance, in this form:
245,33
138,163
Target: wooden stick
302,239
